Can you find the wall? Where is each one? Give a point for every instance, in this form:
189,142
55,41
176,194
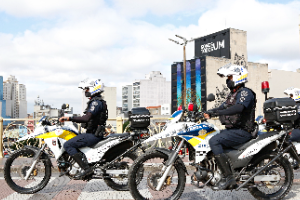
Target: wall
257,73
110,96
279,80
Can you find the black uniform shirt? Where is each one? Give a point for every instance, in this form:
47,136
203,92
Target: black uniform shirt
95,107
245,97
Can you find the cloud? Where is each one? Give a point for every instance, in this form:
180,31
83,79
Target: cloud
137,8
50,9
115,41
272,29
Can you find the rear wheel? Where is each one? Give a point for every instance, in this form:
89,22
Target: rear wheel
121,183
16,167
273,189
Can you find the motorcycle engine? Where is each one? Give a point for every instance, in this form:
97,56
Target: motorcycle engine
217,177
75,169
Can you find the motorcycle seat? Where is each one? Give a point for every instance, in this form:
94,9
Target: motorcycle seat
252,141
118,135
109,137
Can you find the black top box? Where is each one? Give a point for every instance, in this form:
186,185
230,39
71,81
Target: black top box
280,111
139,117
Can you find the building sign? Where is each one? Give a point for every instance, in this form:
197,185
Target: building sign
216,44
212,46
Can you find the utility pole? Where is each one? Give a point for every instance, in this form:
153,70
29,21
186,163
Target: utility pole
184,43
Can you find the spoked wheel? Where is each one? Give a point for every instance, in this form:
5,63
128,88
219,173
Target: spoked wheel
120,182
16,167
148,171
283,175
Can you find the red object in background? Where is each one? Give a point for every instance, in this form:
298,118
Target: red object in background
180,152
265,87
187,151
191,106
264,121
179,108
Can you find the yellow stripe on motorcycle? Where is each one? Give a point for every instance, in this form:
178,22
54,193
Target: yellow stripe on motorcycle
47,135
66,135
204,136
194,142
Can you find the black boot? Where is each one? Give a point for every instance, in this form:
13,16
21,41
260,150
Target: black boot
84,165
228,179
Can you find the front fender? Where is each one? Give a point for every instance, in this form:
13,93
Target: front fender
169,154
44,155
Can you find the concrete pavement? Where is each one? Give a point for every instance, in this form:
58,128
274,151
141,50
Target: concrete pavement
66,189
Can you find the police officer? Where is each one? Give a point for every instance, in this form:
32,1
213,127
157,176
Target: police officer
237,113
94,122
294,93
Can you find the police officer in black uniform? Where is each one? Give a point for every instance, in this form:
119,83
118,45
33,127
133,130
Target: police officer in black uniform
237,113
93,120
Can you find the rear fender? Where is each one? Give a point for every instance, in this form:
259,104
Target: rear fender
169,154
258,146
117,150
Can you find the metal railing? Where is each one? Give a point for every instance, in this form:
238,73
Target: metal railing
155,127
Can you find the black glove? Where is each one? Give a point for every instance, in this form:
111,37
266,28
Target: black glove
212,113
100,131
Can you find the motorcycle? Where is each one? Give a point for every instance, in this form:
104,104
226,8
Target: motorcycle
257,165
265,128
110,158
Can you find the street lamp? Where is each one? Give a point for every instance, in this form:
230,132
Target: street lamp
184,43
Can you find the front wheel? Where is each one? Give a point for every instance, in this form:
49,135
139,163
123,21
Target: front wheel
145,173
273,189
16,167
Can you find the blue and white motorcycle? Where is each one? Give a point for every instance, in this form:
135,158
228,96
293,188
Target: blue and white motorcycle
258,165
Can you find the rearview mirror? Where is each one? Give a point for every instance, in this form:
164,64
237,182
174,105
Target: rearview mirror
211,97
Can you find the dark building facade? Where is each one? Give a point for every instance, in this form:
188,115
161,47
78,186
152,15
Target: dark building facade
195,83
216,45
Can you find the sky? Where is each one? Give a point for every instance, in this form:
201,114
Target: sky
50,46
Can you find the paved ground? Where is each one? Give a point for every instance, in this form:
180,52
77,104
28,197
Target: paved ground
66,189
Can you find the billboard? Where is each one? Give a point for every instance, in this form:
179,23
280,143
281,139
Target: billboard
195,83
216,44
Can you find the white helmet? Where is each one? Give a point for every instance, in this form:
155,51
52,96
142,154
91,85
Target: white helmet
293,92
95,85
239,73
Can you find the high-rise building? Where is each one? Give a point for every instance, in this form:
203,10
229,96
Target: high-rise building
15,96
126,98
110,96
2,101
154,90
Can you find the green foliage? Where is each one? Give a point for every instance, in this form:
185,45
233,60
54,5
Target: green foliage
29,142
125,125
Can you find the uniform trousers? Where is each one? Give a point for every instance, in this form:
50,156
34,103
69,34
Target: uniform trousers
81,140
295,135
228,138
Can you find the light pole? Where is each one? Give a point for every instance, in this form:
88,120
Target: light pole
184,43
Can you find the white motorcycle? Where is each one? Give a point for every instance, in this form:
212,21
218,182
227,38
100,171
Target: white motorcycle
258,165
110,158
